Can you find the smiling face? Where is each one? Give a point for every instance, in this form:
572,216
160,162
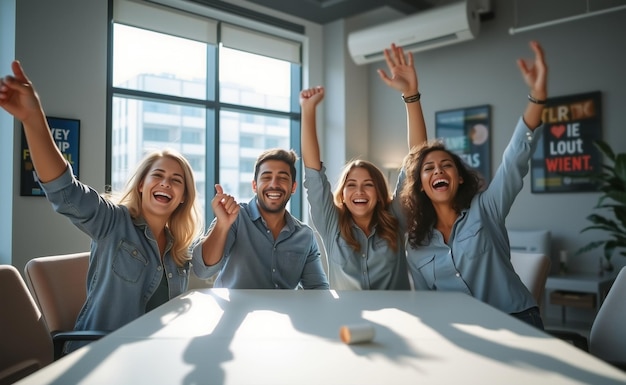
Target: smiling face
359,193
273,186
440,177
163,188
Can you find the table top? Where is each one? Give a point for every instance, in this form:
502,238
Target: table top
581,281
221,336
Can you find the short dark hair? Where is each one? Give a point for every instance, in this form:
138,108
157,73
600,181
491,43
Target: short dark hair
288,156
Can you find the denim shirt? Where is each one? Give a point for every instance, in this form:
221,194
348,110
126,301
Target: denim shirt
375,267
125,266
477,258
254,260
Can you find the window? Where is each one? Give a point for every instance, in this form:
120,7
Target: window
174,85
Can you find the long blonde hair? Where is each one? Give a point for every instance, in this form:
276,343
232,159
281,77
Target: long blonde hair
185,223
387,224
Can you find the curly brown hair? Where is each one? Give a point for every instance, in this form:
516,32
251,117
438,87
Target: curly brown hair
386,223
419,210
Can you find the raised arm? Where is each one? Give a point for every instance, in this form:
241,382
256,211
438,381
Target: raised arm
226,210
535,75
403,78
19,98
309,99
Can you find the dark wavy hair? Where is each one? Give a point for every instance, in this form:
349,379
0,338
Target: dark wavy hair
419,210
386,224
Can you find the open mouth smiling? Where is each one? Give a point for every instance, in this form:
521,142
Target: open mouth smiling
440,184
162,197
274,195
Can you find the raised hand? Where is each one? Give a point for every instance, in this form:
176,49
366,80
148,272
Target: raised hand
311,97
17,95
402,71
535,72
224,207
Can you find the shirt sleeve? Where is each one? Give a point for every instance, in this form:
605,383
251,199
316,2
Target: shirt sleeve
396,202
313,275
509,177
322,208
82,205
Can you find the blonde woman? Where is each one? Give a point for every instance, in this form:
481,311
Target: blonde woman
140,249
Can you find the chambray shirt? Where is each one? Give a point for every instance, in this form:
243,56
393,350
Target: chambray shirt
254,260
476,259
125,266
375,267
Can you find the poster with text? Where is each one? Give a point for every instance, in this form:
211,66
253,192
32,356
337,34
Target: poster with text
566,157
467,132
65,133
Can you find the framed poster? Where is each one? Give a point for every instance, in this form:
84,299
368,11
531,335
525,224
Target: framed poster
65,133
467,132
566,157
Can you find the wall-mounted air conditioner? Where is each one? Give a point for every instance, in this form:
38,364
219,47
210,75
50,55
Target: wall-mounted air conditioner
433,28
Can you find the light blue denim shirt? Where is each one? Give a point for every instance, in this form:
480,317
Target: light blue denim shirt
375,267
125,267
476,259
254,260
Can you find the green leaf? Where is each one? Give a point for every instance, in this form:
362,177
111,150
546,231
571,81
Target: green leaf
589,246
620,168
605,149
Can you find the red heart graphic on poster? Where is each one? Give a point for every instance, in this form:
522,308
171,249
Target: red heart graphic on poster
557,131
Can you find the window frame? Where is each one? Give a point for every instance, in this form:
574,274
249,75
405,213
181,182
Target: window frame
212,124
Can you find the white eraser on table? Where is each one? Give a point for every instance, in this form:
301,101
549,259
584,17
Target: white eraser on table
354,334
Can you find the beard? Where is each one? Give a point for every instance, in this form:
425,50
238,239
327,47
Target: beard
275,206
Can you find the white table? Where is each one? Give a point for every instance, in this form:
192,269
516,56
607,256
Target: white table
219,336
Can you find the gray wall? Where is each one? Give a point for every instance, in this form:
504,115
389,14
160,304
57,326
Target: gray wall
583,56
63,46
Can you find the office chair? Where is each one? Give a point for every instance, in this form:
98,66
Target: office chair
26,343
607,339
58,284
533,270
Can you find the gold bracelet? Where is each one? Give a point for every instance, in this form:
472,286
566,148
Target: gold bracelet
536,101
412,98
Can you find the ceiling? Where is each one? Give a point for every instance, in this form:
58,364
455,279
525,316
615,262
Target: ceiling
325,11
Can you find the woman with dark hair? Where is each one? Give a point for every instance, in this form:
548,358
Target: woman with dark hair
457,239
358,222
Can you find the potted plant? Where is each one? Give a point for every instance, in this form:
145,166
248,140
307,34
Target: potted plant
612,183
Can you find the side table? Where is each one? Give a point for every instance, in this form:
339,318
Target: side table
595,284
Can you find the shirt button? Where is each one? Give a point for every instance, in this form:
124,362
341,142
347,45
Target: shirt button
529,135
159,268
169,275
276,285
458,274
273,270
363,255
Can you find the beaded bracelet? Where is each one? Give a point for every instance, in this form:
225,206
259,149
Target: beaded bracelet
412,98
536,101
